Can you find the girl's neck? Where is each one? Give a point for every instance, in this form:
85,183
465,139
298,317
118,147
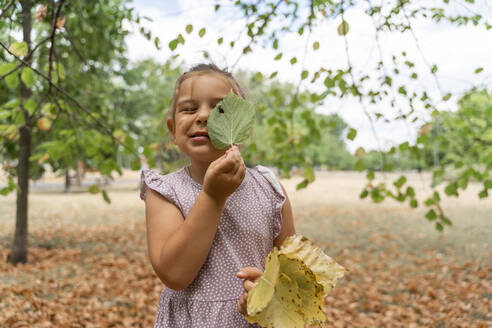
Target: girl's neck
197,171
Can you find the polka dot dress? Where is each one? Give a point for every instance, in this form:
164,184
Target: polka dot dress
249,224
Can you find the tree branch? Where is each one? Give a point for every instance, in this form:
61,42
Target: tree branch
4,9
265,22
52,37
70,39
364,109
25,58
104,128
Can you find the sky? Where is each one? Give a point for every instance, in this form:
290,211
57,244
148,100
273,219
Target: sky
457,50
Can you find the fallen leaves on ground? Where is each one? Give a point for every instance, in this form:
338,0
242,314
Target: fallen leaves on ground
99,275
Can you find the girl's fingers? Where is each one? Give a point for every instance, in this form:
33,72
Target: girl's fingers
225,165
242,303
249,285
250,273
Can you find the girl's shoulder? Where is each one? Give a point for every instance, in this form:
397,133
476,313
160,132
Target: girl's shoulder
266,176
162,183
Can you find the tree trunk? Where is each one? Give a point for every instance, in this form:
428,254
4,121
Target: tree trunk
19,245
67,181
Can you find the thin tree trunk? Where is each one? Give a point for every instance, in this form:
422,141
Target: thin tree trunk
67,181
19,245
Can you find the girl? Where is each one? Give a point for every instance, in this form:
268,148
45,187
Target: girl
212,223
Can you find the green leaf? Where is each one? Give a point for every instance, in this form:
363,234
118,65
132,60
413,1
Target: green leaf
135,164
343,28
359,165
4,114
414,203
400,182
451,189
220,40
429,201
12,80
316,45
60,70
431,215
308,173
106,197
93,189
27,77
173,44
275,44
364,194
277,57
19,49
370,175
434,69
446,97
293,60
230,122
439,226
478,70
202,32
11,186
304,75
487,135
446,220
157,43
303,184
30,105
7,67
189,28
351,134
483,194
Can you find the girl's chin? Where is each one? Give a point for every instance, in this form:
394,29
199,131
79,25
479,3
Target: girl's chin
206,156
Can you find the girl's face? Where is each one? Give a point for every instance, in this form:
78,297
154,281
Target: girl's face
197,96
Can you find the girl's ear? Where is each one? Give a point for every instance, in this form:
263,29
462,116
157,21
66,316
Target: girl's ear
170,127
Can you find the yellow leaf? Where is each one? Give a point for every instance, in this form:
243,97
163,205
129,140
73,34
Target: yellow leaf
291,291
263,292
326,270
19,49
343,28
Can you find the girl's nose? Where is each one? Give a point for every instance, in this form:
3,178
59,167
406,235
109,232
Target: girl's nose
203,114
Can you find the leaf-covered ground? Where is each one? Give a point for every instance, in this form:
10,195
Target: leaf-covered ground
88,265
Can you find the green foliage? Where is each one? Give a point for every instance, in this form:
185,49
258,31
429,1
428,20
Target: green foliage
75,125
288,133
230,122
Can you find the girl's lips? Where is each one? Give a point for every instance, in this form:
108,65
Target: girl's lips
200,138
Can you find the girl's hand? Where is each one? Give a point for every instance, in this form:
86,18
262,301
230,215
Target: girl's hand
224,175
251,276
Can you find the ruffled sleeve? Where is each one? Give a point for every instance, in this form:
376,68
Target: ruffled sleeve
159,183
277,195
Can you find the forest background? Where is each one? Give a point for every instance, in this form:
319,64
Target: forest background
73,100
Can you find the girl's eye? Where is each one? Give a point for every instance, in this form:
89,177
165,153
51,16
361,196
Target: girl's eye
190,109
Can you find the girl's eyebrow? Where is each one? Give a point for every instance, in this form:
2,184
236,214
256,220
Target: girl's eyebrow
193,102
185,101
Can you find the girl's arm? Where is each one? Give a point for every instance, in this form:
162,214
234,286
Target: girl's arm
287,228
178,247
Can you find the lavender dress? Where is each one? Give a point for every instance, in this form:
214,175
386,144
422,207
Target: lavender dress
249,224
